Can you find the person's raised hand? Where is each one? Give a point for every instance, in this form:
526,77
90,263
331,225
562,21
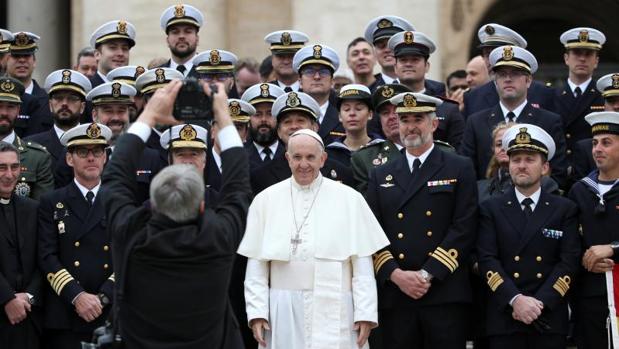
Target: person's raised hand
160,106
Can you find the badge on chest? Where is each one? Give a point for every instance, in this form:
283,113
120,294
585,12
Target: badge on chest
59,214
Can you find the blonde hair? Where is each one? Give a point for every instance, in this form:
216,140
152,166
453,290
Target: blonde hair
493,165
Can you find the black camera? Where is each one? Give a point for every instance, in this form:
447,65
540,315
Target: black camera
192,103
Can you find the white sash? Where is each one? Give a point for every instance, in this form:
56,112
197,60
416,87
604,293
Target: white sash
327,305
613,330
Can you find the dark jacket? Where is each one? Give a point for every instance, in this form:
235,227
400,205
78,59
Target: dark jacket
174,278
34,115
49,139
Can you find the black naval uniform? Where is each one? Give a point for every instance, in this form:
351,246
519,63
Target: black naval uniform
485,96
255,160
186,268
278,170
34,114
19,271
430,219
477,142
582,159
96,80
536,256
573,111
75,257
192,73
49,139
212,173
331,128
598,226
339,152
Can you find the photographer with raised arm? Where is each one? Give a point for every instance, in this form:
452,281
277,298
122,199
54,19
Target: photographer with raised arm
173,261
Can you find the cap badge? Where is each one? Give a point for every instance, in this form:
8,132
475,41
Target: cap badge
121,27
93,131
317,51
21,39
139,70
7,86
235,108
160,75
188,133
215,58
384,23
387,92
66,76
264,90
179,11
116,90
489,30
293,100
286,39
409,38
523,137
583,36
615,78
508,53
409,101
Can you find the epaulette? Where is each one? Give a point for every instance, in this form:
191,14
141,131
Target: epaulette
370,146
444,145
548,84
31,145
446,100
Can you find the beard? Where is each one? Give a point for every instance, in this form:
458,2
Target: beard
183,53
416,142
64,121
264,139
6,129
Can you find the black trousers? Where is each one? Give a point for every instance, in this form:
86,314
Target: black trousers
591,316
64,339
528,341
23,335
440,326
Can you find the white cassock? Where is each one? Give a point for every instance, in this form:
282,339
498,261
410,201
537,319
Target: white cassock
311,294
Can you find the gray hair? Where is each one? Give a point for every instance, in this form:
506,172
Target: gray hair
177,191
8,147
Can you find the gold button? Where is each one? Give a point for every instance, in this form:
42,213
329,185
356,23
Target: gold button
428,213
106,247
516,275
400,215
517,258
569,152
539,275
77,244
401,256
105,266
538,258
567,135
76,263
23,178
400,235
429,233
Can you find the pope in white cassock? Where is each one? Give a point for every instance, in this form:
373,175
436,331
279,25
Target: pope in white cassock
310,281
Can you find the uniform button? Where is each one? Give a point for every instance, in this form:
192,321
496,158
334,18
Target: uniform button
516,275
23,178
429,233
77,244
567,135
106,248
539,275
517,258
400,215
400,235
428,213
401,256
538,258
105,266
569,151
76,263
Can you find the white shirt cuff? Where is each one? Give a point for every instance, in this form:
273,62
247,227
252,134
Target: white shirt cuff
140,129
511,301
229,138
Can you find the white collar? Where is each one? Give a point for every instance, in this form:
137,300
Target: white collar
10,138
535,196
217,158
29,88
188,65
59,131
583,86
102,77
323,111
295,86
273,148
85,190
311,187
411,158
387,79
516,110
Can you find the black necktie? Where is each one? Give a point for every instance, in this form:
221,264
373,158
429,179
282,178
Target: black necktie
287,89
527,207
267,154
416,165
511,116
181,68
578,92
90,196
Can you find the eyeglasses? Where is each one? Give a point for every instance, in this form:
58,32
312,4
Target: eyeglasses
502,74
83,152
69,97
221,77
312,72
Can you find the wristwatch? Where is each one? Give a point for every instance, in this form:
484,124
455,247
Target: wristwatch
103,299
30,298
615,246
425,275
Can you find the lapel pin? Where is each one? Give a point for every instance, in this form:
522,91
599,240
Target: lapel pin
333,174
61,229
59,205
389,178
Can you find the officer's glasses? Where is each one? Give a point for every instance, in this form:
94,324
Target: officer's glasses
68,97
83,152
323,72
215,77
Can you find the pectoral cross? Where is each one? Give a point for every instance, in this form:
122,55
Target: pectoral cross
295,241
